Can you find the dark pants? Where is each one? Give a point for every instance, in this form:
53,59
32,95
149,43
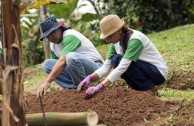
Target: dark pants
140,75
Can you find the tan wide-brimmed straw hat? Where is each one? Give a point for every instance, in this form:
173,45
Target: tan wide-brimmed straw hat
109,25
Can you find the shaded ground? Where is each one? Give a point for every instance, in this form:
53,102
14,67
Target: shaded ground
115,106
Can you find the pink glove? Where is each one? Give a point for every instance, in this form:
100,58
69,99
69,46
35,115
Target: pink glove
84,83
95,89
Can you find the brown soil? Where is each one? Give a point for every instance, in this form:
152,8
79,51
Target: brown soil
121,106
116,106
181,80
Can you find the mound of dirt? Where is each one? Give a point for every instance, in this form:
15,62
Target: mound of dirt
181,80
116,106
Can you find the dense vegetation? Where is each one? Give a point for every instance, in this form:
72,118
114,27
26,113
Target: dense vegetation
151,15
146,16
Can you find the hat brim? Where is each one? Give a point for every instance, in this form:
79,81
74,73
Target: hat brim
102,36
49,31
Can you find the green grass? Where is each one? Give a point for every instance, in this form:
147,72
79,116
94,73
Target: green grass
34,77
173,93
177,46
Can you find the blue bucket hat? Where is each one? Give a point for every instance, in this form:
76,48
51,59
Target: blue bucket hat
47,26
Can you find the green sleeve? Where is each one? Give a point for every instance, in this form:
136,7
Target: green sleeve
69,44
52,55
111,52
134,49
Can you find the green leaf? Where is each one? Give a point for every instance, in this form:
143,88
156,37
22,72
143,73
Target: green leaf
89,17
63,10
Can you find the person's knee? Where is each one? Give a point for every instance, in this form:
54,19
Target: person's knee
160,80
45,65
71,58
116,60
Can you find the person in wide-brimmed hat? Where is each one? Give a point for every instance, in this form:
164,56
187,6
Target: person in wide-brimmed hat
73,56
132,54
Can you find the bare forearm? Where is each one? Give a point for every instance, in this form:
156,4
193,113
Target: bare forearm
106,82
94,76
57,69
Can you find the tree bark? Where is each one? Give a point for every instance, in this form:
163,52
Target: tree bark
13,99
42,15
34,57
62,119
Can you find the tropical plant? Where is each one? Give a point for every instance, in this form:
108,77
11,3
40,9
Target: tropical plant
152,15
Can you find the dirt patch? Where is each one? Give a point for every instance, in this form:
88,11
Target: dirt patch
116,106
184,114
181,80
121,106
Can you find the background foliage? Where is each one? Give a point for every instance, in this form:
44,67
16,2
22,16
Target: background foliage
147,16
152,15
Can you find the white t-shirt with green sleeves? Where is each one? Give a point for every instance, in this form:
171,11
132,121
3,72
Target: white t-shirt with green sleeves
139,47
74,41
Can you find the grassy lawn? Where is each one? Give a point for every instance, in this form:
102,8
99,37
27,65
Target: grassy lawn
177,47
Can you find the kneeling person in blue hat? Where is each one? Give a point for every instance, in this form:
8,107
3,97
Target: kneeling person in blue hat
73,56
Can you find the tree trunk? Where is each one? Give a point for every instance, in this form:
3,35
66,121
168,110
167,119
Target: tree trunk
13,99
62,119
34,57
42,15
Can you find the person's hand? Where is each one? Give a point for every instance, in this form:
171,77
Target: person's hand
84,83
42,89
92,90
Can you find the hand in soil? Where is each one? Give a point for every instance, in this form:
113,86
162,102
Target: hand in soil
81,88
43,88
84,83
88,96
93,90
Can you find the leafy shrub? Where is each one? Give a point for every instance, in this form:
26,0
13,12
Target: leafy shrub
152,15
32,55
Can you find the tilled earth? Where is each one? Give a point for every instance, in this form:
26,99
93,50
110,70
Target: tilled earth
116,106
121,106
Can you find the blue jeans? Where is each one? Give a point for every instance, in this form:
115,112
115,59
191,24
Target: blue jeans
140,75
77,68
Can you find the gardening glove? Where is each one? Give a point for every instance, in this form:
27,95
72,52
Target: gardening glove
84,83
92,90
